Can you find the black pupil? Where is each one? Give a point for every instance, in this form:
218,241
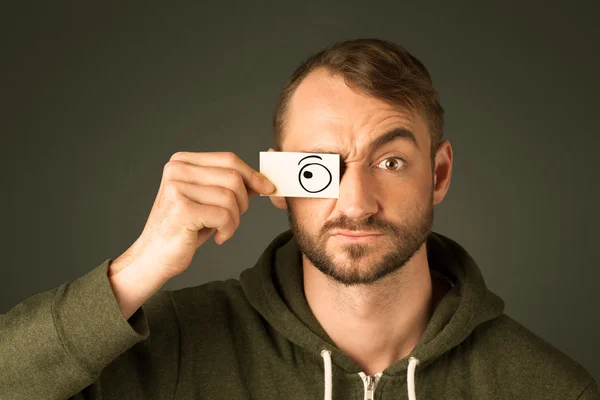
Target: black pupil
307,174
391,164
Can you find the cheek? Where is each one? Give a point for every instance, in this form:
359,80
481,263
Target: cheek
308,211
402,197
398,192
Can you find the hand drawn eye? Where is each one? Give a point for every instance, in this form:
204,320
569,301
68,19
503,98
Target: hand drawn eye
314,177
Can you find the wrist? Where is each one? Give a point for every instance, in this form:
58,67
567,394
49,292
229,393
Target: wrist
133,284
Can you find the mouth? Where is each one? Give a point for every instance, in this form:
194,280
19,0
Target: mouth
356,236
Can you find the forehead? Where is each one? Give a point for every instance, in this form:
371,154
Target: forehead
324,112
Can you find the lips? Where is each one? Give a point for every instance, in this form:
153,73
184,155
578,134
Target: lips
357,234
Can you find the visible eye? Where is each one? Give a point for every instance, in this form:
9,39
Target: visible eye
314,177
391,163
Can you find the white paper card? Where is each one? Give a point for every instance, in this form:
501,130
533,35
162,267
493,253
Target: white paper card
302,174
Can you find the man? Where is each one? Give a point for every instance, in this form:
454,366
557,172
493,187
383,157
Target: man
359,300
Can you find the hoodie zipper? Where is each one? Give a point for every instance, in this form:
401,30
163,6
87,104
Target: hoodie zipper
370,383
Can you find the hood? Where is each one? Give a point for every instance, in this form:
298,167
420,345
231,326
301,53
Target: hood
274,287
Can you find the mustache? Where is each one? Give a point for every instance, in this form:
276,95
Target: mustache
370,225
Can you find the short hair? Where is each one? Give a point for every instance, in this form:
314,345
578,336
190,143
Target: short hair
380,68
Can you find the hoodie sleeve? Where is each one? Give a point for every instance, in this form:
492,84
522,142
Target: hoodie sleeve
590,392
56,343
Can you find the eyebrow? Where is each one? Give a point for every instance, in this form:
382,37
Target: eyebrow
390,136
315,156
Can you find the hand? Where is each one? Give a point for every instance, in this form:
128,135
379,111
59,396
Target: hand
199,193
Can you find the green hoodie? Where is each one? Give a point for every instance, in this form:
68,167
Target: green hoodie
256,338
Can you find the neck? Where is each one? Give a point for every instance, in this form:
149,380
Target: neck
378,324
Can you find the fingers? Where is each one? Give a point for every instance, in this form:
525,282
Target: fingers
200,207
212,196
211,190
209,176
215,217
252,179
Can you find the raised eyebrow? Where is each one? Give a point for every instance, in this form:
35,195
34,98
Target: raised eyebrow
393,135
315,156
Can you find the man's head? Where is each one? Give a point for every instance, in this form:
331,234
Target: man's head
374,104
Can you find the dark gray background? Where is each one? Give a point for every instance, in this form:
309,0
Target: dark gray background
97,98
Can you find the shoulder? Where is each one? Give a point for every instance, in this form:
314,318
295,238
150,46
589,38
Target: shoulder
514,351
212,300
520,343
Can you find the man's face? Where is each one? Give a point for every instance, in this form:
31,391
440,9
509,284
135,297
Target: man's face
385,208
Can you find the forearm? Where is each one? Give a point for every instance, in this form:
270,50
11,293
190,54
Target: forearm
57,342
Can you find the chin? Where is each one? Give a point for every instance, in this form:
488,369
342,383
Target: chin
358,257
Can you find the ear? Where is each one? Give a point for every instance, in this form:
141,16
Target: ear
443,171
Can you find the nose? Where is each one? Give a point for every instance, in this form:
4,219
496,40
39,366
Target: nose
358,194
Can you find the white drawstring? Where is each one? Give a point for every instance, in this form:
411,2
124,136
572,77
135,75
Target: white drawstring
326,354
410,375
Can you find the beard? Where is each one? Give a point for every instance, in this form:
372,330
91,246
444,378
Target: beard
364,263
